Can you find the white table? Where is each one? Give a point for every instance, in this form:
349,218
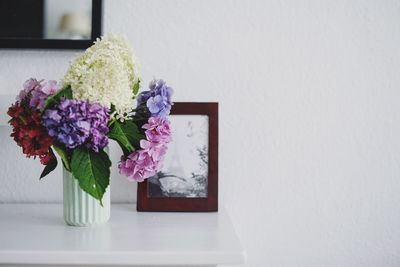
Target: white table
35,234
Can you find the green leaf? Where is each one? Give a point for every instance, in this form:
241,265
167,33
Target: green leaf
136,88
126,134
64,154
132,132
117,133
92,171
55,99
49,167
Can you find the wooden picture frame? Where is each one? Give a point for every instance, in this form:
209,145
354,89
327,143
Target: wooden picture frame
189,204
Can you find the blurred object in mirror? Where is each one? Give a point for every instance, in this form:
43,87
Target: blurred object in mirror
75,26
68,19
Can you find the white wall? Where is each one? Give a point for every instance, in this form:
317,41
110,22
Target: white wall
309,109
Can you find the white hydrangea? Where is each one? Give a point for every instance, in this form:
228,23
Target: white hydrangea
105,73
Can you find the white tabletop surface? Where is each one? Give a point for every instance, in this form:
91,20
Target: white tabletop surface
37,234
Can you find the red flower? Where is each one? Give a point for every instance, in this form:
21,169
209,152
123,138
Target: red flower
29,133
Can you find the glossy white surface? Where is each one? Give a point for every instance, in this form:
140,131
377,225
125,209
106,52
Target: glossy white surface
37,234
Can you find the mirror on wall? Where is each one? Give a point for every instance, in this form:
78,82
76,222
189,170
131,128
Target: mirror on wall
64,24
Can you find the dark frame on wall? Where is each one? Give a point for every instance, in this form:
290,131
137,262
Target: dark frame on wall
61,43
209,203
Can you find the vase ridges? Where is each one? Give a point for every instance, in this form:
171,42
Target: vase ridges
80,208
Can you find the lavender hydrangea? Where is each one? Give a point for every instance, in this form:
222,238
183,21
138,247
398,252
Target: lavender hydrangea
29,85
77,122
157,99
40,95
36,92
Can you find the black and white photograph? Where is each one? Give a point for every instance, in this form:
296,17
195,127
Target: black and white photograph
185,170
188,179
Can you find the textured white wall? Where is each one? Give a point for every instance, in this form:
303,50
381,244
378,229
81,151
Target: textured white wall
310,124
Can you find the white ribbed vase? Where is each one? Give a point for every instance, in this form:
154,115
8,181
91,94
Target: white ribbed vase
80,208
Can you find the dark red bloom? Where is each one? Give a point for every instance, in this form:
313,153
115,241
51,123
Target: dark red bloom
29,133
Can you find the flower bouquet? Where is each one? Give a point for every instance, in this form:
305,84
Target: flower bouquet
94,102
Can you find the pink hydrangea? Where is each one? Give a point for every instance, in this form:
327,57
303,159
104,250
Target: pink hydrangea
146,161
157,130
136,166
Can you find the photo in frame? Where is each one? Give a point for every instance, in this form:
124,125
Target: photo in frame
188,180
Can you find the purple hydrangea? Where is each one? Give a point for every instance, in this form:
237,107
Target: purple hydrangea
36,92
29,86
143,97
40,95
77,122
157,99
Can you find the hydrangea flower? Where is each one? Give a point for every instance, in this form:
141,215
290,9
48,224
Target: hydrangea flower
36,93
40,95
29,85
157,130
77,122
146,161
157,99
143,163
106,74
29,133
